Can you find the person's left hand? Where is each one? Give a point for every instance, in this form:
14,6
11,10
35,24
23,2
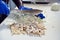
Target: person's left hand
40,16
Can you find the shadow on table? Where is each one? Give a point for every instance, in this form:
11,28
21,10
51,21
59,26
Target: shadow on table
3,26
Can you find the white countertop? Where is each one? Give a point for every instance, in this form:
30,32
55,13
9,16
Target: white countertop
52,24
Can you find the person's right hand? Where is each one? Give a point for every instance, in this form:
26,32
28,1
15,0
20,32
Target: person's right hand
4,8
24,8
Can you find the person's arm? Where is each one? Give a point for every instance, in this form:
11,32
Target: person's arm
4,11
18,3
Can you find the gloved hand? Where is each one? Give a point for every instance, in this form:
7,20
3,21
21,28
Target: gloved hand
4,8
40,16
24,8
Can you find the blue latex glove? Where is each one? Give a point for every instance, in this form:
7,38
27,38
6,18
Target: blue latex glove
40,16
4,8
24,8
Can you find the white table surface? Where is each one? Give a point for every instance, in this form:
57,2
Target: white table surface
52,24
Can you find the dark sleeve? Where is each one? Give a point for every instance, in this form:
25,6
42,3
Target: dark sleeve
2,17
18,2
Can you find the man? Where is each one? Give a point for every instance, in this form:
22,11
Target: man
5,11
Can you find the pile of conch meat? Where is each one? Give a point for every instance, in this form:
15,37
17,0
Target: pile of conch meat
28,24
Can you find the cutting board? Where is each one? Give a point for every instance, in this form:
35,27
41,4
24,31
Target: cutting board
34,11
